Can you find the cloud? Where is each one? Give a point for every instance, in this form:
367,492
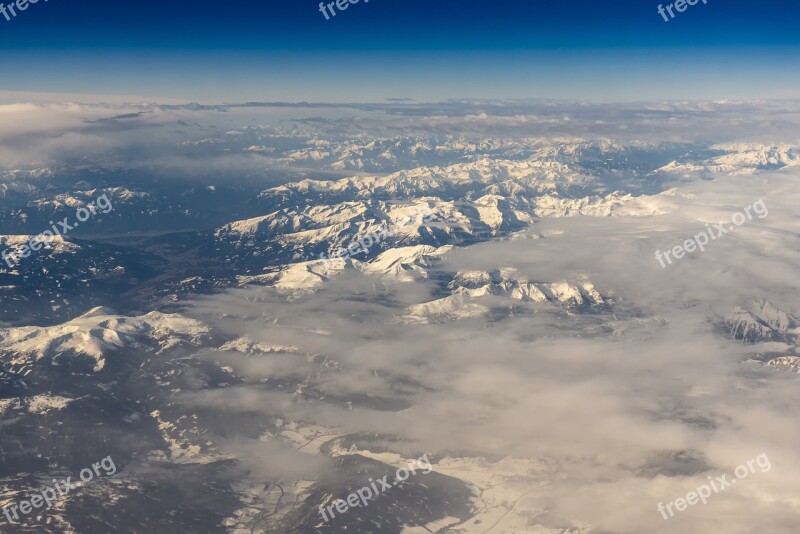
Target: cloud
628,407
114,136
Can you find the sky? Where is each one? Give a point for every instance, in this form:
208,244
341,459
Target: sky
273,50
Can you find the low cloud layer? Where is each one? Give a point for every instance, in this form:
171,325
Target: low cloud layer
628,408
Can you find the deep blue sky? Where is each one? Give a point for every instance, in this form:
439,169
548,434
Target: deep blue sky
423,49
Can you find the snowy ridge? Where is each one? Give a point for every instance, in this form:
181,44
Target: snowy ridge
96,333
737,159
39,404
596,206
246,345
786,363
474,292
485,176
762,321
56,244
406,264
403,264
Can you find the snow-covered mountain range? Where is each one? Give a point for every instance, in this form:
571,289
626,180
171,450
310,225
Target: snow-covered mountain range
510,322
